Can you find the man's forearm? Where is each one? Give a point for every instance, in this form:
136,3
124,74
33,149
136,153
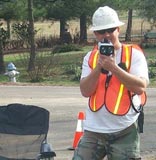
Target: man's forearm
132,82
88,84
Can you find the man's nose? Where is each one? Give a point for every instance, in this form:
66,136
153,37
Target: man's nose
106,33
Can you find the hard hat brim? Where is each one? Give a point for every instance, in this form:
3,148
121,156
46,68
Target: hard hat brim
97,28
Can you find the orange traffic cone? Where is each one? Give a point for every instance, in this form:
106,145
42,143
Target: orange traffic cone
79,130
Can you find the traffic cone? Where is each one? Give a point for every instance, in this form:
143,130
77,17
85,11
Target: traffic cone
79,130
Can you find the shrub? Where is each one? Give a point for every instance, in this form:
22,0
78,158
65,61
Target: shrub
43,66
75,70
66,48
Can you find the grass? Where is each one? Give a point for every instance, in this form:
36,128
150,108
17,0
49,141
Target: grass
61,70
64,68
151,59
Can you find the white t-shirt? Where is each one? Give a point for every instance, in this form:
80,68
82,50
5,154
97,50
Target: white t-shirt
103,121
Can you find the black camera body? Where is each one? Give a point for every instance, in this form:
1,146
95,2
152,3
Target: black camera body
106,49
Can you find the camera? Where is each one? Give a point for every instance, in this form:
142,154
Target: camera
106,49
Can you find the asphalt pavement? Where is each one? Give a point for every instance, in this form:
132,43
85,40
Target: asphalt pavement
64,104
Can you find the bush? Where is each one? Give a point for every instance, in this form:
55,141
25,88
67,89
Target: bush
43,66
46,42
66,48
75,70
152,67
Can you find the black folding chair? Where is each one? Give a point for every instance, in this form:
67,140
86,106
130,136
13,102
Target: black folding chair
23,133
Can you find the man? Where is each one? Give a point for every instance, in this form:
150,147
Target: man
115,96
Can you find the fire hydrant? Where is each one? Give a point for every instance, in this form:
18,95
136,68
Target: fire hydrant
11,72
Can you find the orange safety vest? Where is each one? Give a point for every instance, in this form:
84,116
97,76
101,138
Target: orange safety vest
110,91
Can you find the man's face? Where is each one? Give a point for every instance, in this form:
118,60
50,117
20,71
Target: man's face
110,34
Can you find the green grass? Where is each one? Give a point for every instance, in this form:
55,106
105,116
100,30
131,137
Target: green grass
63,69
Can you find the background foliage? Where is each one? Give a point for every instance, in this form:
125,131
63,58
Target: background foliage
18,19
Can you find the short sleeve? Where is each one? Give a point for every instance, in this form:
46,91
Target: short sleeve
139,64
85,66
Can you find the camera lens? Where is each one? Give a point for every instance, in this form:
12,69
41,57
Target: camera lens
110,50
103,50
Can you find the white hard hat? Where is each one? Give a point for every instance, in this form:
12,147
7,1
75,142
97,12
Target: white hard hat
105,18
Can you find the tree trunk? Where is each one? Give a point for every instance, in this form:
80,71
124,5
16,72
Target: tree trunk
8,28
2,67
83,29
62,27
31,65
129,26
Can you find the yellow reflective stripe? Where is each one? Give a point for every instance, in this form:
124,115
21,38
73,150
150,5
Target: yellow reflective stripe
127,62
94,103
127,58
94,65
119,99
95,59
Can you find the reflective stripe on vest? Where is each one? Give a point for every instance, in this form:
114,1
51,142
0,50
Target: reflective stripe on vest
116,97
94,103
126,59
116,108
127,49
121,101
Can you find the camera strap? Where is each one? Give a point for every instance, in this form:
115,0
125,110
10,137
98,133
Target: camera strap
123,66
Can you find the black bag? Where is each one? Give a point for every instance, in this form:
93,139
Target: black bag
141,121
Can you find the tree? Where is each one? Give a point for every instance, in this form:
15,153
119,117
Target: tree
147,10
64,10
3,38
130,5
83,28
31,65
58,11
8,12
129,25
85,11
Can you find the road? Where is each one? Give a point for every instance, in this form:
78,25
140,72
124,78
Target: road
64,104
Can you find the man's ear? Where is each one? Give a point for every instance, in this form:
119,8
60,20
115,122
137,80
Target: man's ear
118,29
95,32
